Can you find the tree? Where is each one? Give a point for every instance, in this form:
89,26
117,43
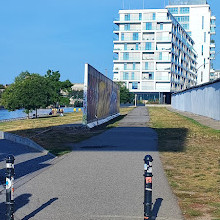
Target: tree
125,95
57,89
29,91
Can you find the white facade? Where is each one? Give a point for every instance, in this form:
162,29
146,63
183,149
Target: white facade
215,74
195,17
152,52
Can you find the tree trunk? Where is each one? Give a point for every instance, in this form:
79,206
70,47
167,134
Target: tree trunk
36,112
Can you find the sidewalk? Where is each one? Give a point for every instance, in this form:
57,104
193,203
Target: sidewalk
101,179
209,122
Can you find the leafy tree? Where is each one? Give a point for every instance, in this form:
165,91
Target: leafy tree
29,91
57,89
125,95
76,94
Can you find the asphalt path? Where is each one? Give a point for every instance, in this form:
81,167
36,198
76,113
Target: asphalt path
102,178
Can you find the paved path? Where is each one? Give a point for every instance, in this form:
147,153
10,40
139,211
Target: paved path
101,179
28,164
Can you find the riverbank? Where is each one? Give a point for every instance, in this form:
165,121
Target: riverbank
6,115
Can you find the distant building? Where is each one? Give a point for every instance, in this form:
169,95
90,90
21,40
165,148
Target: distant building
215,74
153,54
77,86
196,18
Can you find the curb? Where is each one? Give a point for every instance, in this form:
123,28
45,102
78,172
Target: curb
22,140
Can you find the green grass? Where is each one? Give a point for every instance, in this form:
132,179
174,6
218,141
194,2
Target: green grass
190,155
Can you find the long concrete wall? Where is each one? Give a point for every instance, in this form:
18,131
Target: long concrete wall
202,100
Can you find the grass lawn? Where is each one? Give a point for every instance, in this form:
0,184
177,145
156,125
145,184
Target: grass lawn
190,153
57,140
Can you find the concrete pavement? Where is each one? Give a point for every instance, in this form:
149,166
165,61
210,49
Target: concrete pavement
101,179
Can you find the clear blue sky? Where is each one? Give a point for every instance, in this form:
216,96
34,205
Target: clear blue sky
37,35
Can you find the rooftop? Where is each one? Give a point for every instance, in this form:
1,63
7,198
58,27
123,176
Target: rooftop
188,2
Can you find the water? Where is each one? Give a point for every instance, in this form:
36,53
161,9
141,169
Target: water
6,115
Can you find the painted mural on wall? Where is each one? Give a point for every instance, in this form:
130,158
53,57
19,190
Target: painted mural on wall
101,96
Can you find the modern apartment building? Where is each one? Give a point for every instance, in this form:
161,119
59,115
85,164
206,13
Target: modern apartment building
195,17
153,54
215,74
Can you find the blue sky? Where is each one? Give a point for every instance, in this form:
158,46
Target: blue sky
63,35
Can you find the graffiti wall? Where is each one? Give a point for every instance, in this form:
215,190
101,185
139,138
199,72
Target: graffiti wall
101,96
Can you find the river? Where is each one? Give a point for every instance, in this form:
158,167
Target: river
6,115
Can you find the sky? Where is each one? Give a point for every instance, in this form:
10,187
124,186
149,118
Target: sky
63,35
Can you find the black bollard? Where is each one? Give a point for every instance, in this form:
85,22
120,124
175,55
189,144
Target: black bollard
10,187
148,187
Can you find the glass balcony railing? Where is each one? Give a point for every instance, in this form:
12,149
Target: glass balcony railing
163,78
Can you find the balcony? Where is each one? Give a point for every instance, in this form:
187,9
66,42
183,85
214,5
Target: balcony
212,30
212,50
212,56
166,39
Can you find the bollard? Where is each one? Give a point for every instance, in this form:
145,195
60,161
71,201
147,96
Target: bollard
148,187
10,187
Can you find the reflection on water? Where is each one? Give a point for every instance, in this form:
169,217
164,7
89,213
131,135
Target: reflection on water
5,114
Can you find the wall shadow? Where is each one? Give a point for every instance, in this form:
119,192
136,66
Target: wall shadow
27,167
136,139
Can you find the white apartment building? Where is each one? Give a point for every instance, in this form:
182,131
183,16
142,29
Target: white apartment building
215,74
195,17
153,54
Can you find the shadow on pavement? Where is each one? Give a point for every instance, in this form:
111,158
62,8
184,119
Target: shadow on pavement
156,208
27,167
20,201
136,139
32,214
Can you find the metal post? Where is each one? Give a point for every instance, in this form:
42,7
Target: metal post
148,187
135,100
10,187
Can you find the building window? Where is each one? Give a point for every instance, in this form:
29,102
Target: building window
151,75
135,36
148,26
184,10
125,46
132,76
134,66
173,10
204,63
202,22
127,27
182,18
127,17
189,33
185,26
134,85
154,16
146,66
202,50
126,56
148,46
122,36
160,56
140,16
125,66
137,46
204,36
161,26
125,76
